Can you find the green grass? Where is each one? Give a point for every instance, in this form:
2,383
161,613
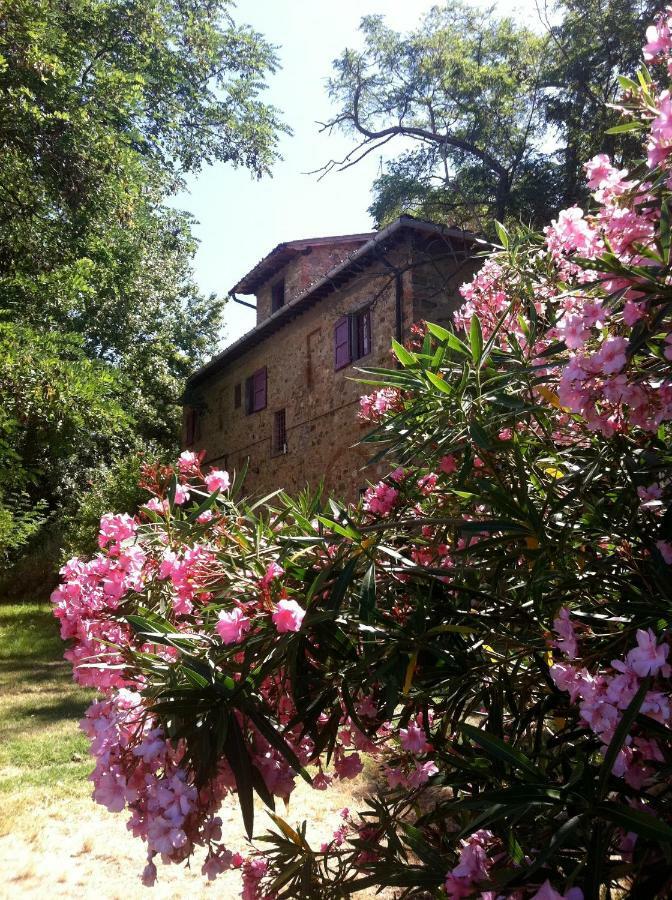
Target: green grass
43,754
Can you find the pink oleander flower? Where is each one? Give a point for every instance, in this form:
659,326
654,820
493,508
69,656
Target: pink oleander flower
217,480
612,355
567,638
187,462
288,616
658,40
547,892
181,495
232,626
116,528
427,483
156,505
348,766
474,866
422,773
273,570
148,877
665,550
448,465
413,738
648,658
381,499
372,407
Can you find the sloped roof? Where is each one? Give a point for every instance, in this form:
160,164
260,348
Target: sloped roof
332,281
283,253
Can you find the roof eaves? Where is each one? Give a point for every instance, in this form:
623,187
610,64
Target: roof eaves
332,280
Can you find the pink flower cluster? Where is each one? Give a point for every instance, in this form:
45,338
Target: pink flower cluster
136,768
372,407
380,499
604,696
473,867
85,603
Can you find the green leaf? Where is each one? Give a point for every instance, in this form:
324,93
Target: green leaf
625,126
476,339
498,749
439,383
348,531
403,355
642,823
367,594
237,755
502,234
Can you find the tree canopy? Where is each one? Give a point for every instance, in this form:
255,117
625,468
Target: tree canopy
105,105
493,118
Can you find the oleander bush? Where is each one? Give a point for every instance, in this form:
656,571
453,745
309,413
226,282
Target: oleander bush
491,624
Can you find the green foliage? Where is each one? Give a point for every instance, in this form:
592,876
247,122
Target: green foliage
114,486
465,86
104,105
499,118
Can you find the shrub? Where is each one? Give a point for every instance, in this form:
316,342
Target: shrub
491,623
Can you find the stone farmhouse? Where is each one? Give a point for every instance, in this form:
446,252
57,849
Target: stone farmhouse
282,398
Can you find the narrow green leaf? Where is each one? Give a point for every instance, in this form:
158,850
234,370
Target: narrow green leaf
476,338
625,126
498,749
405,357
643,823
439,383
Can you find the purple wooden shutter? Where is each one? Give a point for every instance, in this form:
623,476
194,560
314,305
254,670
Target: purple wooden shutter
259,389
342,343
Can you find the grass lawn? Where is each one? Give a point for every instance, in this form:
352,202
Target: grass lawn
43,754
54,840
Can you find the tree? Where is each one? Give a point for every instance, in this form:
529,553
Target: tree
495,120
465,91
105,106
584,60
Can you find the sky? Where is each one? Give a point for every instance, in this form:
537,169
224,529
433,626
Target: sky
240,219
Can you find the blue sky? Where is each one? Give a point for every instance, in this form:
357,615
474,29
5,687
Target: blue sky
241,219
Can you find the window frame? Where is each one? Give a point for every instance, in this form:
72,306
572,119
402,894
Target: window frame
279,445
356,329
256,386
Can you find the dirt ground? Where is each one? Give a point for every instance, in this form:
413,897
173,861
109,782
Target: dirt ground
79,850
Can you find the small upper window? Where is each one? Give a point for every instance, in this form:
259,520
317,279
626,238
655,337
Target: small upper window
352,337
279,444
278,295
255,391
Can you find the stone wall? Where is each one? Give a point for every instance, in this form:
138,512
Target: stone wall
304,270
320,404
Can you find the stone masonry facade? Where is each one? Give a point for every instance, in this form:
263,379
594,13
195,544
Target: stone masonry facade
410,271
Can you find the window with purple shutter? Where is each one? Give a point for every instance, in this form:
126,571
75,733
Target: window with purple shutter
255,391
342,342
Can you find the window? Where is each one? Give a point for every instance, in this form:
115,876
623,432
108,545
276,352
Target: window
237,396
279,443
255,391
278,295
352,337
